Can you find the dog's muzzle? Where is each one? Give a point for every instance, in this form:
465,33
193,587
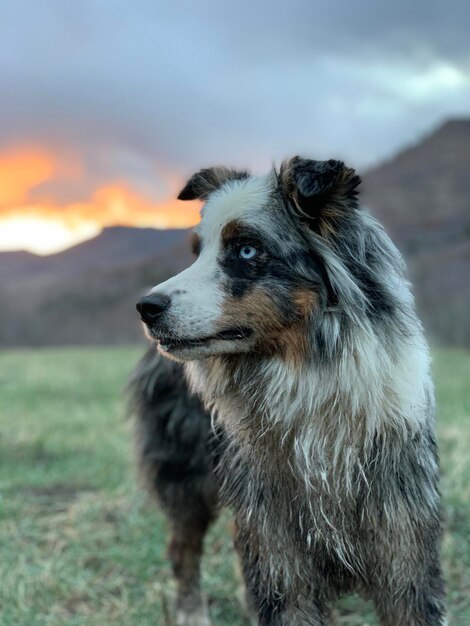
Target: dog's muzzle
152,307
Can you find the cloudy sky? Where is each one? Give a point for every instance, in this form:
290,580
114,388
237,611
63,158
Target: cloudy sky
107,105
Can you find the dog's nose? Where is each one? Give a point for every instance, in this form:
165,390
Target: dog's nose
151,307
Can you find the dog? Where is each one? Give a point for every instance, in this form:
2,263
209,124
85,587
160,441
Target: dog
298,330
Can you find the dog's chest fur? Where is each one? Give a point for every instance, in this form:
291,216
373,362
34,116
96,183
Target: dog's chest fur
305,475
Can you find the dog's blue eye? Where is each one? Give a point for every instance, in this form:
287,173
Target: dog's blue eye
248,252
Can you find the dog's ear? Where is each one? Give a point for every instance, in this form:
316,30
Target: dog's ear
204,182
320,192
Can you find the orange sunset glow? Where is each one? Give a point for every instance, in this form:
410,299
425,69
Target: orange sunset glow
42,224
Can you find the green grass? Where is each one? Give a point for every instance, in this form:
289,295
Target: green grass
79,542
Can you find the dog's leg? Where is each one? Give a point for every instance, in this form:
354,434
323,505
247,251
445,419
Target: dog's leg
418,601
314,613
276,612
192,511
174,442
273,607
185,551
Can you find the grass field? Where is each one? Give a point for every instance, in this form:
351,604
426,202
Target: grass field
79,543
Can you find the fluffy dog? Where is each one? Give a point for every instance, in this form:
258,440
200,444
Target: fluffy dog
298,330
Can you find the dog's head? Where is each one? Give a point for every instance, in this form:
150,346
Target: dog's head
262,272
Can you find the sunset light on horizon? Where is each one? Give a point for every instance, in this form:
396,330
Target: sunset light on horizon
35,221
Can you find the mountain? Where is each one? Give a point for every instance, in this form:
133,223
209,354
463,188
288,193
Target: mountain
116,245
86,294
112,248
422,196
16,264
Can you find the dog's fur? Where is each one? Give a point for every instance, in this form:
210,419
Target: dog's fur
176,454
299,332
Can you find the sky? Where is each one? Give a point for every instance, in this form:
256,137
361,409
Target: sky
108,106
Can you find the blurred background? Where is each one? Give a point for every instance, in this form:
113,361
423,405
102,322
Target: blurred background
106,108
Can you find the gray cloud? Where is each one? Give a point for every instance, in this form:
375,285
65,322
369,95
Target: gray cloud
135,88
